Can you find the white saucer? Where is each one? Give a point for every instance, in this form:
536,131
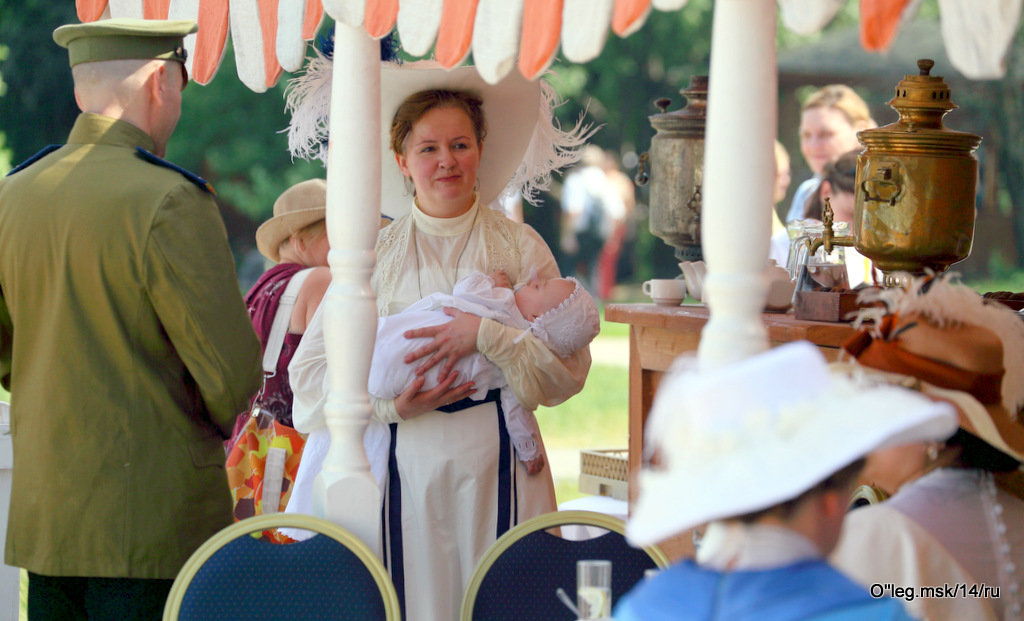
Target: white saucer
668,301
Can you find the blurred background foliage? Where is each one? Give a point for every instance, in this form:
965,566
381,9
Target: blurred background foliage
232,136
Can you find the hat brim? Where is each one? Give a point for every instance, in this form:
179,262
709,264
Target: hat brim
510,110
992,424
760,472
271,233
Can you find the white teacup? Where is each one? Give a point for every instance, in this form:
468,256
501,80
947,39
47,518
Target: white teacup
665,291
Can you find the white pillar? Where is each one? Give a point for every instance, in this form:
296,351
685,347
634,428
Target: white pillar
739,176
345,489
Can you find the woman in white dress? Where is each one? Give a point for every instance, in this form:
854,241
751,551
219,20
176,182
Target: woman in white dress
453,484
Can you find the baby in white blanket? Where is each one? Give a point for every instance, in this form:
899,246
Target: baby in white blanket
558,311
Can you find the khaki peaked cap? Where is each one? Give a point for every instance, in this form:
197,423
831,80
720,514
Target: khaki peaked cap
124,38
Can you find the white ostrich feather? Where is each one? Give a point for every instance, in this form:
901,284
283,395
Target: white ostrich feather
308,99
551,148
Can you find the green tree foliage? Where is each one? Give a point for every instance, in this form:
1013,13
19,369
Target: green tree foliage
39,106
5,153
233,137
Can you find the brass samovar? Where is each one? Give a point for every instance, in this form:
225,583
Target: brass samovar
916,183
676,161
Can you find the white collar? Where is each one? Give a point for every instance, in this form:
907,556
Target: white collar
444,227
733,546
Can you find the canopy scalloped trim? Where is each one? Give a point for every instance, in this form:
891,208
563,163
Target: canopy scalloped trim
269,35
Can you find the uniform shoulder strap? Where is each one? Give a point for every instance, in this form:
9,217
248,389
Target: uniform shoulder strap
159,161
50,148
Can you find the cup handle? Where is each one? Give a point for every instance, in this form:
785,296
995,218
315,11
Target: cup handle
646,287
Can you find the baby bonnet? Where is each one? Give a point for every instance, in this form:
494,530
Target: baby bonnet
571,325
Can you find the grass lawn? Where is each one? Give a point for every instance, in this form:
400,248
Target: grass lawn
596,418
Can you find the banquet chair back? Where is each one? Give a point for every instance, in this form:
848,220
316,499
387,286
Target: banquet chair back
239,574
518,576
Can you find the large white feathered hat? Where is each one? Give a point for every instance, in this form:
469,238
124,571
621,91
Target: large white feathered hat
753,434
510,112
523,145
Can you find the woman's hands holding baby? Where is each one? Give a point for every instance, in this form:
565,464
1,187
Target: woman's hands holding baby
500,279
412,402
450,342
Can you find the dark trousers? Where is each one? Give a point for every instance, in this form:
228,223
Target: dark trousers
116,599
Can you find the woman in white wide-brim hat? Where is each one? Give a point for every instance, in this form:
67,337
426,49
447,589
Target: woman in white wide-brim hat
453,144
956,505
766,452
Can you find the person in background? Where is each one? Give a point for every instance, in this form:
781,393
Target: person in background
124,341
770,470
956,514
778,249
617,215
590,204
295,238
838,186
829,121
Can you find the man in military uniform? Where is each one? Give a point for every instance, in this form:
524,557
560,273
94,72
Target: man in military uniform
123,339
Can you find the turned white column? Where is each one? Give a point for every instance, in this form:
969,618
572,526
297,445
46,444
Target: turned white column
345,492
739,175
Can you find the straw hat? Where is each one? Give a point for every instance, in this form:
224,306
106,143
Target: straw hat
299,206
510,110
748,436
958,347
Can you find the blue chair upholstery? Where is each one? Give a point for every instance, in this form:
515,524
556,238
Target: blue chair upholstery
518,577
236,575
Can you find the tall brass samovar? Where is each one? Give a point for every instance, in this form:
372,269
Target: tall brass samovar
916,183
676,160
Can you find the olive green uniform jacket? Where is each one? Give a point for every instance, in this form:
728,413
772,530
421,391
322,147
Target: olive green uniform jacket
128,353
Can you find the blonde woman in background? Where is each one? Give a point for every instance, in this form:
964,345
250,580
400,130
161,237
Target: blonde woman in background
829,122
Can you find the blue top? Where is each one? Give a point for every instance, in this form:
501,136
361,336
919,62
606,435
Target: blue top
800,198
810,589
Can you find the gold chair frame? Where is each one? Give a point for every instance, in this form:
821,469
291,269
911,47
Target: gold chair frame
389,596
547,521
867,494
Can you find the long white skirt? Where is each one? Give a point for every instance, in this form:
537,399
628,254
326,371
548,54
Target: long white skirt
454,486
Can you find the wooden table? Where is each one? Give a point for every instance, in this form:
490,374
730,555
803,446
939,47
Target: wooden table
658,334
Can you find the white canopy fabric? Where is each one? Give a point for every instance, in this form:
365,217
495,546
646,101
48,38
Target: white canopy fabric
501,35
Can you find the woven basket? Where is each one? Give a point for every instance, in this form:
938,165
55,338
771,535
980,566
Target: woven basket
605,472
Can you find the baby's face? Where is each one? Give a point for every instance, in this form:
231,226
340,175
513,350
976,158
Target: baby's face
539,296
